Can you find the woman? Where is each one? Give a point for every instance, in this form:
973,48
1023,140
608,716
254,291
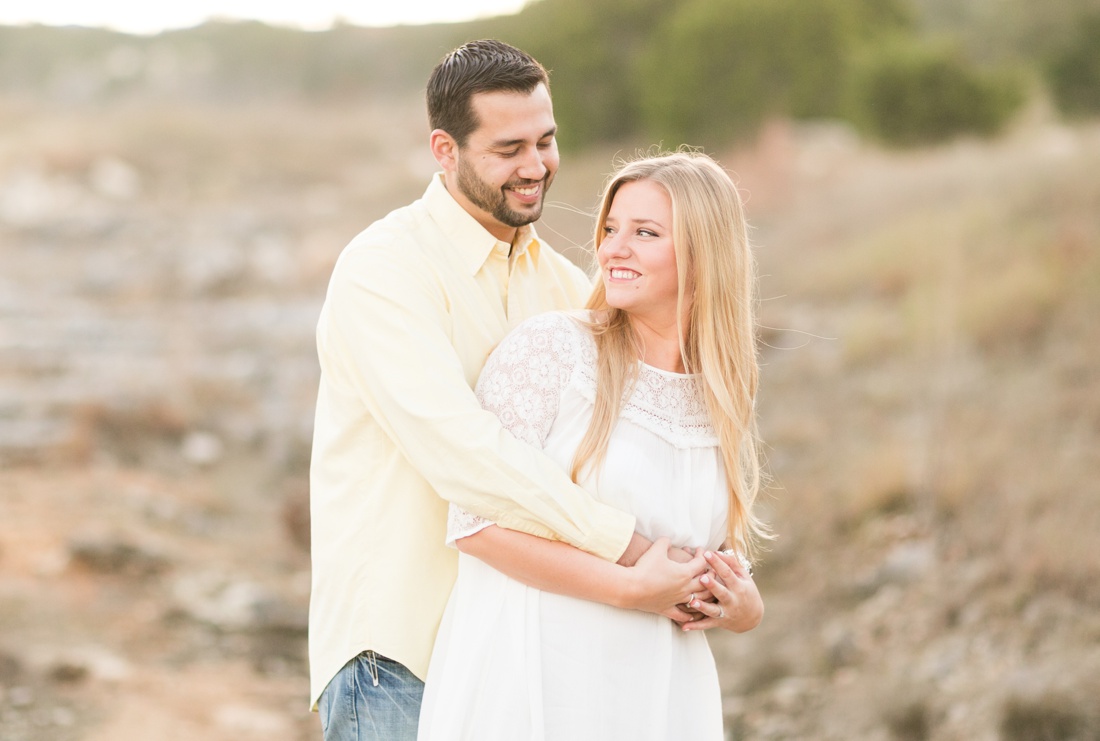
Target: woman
647,398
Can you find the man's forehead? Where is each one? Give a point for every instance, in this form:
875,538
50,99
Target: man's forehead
488,98
507,116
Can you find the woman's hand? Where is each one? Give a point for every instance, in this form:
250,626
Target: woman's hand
737,606
658,584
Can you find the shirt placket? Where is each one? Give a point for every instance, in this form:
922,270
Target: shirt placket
500,267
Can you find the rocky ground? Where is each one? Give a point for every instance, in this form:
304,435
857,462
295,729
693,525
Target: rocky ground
931,401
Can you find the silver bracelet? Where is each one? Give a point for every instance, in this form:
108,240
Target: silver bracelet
745,564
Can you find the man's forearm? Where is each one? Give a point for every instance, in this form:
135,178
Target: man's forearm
634,550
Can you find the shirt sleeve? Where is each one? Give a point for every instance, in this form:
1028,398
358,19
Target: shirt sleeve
384,336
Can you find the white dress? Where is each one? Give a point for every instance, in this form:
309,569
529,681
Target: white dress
512,662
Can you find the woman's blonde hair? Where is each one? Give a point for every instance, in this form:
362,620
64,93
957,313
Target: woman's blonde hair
716,276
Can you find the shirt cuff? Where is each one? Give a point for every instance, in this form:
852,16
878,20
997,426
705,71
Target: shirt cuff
610,541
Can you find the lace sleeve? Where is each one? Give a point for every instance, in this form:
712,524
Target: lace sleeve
521,384
461,524
523,378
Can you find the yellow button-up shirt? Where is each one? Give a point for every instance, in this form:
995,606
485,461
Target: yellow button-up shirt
415,304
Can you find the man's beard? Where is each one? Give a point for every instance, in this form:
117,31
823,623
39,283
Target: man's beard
494,202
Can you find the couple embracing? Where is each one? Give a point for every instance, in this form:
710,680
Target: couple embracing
530,488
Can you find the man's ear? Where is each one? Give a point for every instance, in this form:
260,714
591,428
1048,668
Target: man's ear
444,149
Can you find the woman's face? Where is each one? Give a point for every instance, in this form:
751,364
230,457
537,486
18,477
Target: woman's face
636,255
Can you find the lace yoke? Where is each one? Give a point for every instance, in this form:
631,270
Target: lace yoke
526,376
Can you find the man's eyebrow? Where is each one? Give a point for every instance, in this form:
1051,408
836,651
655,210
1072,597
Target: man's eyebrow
503,143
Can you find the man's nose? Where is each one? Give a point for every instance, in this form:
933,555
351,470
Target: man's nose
532,167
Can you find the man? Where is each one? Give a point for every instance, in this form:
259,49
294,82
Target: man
415,304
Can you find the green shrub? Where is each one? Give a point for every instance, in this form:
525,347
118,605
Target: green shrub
591,50
720,67
908,94
1074,73
699,71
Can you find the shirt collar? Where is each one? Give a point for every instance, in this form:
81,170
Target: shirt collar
467,236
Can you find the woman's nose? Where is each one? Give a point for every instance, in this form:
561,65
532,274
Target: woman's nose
614,245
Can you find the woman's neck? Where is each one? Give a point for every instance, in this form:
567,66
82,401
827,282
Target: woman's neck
660,345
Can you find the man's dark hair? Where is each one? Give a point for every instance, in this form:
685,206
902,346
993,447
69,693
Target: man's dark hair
485,66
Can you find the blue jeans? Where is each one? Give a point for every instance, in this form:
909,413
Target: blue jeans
371,699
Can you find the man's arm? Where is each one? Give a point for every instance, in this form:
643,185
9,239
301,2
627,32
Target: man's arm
637,546
384,336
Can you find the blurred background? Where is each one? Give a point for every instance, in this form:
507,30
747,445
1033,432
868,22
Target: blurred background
923,180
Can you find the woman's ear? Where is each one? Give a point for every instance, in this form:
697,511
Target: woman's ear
444,149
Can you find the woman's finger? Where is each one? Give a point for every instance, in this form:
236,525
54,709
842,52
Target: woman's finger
713,615
722,568
682,617
736,562
698,587
736,606
710,609
720,591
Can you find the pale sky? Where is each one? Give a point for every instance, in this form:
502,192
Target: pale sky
153,16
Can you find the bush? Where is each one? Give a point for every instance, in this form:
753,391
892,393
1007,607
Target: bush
720,67
1047,717
700,71
591,50
917,94
1074,73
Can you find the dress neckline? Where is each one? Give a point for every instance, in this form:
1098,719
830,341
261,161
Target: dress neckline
668,373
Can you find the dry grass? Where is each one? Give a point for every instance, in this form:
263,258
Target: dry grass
958,406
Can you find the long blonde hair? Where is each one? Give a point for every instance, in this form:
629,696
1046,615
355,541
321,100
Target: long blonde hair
717,288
